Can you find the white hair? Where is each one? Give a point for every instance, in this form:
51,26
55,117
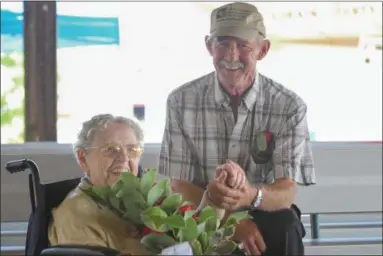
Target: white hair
98,122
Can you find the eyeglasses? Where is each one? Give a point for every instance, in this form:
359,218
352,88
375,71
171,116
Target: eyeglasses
113,150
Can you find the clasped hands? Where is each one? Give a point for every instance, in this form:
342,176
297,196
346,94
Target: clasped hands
230,190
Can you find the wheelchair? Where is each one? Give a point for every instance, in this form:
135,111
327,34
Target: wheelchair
45,197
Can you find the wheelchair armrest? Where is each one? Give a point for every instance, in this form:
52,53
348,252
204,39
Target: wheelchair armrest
79,250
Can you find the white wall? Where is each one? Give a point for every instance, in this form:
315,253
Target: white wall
349,176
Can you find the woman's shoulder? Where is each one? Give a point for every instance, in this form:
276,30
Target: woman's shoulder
77,204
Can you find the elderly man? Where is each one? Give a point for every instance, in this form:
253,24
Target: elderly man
223,119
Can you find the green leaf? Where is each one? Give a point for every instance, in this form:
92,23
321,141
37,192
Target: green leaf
206,213
237,217
189,214
209,250
117,186
156,192
155,218
157,242
226,233
168,188
132,198
115,202
203,240
201,227
172,203
175,221
230,222
196,247
147,181
190,232
215,238
212,224
155,211
133,214
159,224
102,191
226,247
130,180
149,222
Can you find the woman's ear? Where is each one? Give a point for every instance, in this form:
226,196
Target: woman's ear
208,44
82,160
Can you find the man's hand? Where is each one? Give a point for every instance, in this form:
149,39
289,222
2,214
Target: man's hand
248,234
228,198
236,176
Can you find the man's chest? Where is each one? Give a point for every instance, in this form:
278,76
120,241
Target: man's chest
214,137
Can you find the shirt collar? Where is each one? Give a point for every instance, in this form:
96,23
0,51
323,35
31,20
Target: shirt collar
222,98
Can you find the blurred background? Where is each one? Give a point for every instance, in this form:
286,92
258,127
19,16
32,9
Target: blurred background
329,53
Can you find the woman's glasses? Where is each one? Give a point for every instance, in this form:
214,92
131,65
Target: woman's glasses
114,150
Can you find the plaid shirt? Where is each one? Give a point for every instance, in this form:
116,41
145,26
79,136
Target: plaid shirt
200,132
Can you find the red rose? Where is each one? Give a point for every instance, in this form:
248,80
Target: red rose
268,136
146,231
185,208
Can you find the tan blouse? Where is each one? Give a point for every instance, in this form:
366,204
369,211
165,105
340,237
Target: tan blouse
80,220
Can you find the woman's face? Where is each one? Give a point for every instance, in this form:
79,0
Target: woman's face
115,149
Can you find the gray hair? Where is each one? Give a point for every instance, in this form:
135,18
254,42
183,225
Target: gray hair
98,122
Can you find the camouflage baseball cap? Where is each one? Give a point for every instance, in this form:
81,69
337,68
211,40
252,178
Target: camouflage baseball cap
237,19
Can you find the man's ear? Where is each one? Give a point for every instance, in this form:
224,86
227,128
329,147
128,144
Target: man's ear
264,49
82,161
208,44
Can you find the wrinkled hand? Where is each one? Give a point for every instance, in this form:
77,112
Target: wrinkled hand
236,178
247,232
228,198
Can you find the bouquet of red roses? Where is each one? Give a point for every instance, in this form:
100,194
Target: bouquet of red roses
164,218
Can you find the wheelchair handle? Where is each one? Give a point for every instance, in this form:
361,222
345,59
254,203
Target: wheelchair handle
16,166
21,166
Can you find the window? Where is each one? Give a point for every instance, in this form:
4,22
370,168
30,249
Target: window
161,46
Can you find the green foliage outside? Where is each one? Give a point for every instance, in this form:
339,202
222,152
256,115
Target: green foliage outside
9,114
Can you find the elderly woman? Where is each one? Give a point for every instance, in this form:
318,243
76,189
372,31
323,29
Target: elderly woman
105,147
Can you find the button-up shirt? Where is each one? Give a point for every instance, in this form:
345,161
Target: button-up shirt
201,134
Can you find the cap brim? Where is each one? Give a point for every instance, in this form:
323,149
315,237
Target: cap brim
247,34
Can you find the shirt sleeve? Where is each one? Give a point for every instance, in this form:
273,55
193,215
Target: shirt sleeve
175,155
73,229
82,222
292,156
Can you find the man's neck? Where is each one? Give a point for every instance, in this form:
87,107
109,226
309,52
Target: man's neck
238,91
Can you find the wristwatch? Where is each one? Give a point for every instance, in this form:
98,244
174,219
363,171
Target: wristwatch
258,200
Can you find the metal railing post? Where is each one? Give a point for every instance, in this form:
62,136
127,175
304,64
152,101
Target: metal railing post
314,221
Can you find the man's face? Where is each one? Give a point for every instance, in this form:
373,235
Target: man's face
235,60
115,149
